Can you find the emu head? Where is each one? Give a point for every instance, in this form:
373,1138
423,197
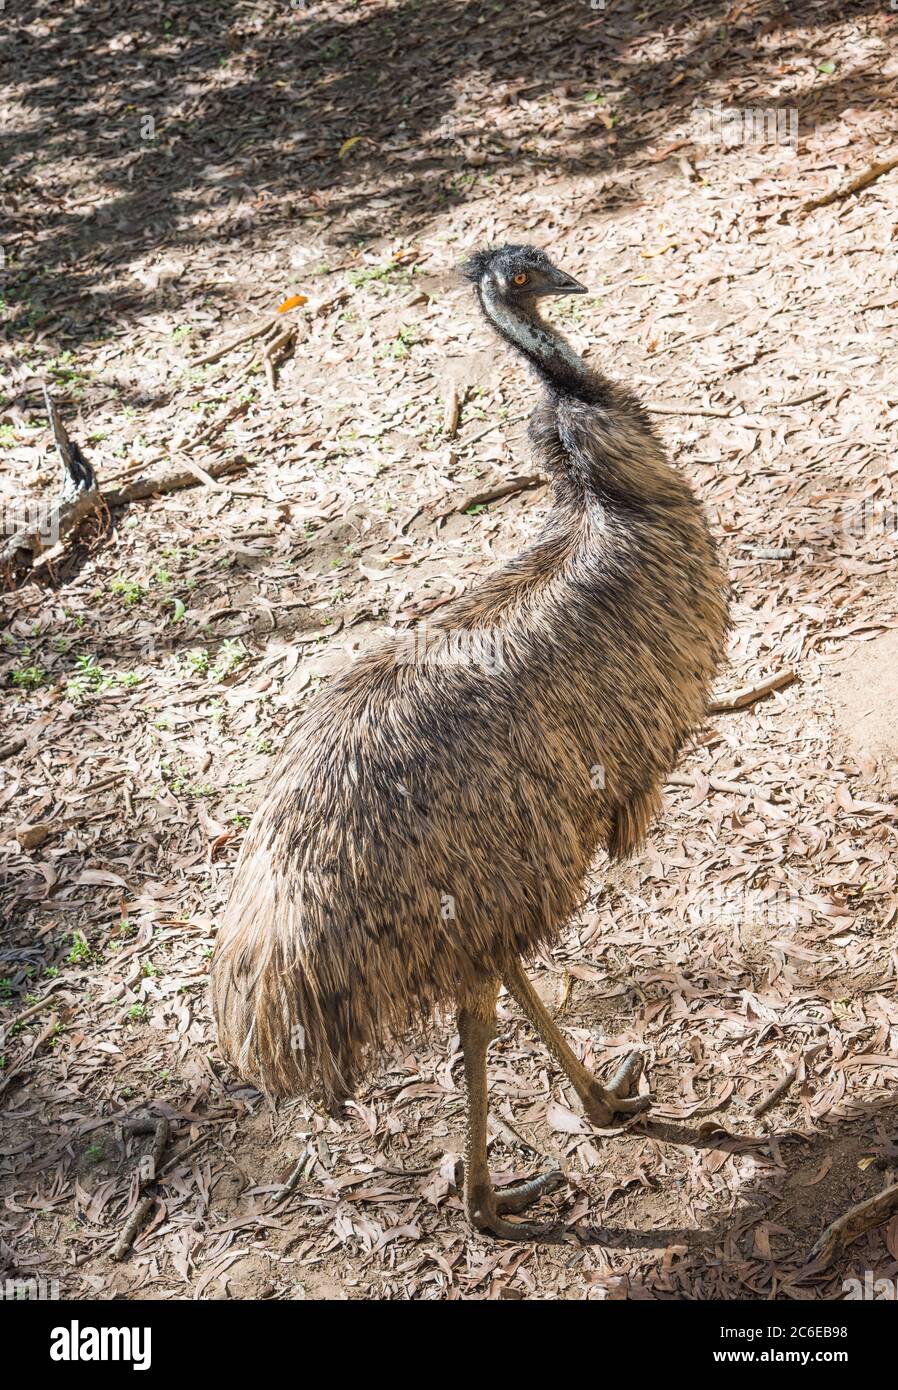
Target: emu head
518,275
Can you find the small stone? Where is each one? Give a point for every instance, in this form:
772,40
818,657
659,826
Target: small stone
30,836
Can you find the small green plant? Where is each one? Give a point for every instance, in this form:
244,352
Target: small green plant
230,655
128,590
137,1013
28,677
198,660
80,952
94,1153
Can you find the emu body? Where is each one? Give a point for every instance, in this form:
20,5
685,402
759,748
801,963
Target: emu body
431,822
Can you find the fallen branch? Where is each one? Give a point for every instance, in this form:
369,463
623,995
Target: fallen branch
79,497
750,694
511,420
717,784
287,1187
661,408
778,1091
451,410
213,430
263,326
493,494
132,1226
274,350
863,180
257,331
770,552
155,484
866,1216
148,1171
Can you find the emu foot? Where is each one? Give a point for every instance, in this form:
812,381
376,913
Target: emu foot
485,1207
601,1103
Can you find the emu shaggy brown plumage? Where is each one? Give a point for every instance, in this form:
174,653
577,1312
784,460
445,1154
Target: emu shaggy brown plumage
433,820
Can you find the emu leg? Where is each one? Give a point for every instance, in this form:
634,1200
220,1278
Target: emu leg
483,1205
600,1103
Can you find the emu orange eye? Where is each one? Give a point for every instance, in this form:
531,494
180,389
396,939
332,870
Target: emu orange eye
520,279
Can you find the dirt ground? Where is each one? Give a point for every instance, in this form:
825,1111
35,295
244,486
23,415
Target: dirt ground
171,176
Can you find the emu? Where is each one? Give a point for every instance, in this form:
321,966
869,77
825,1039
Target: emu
429,823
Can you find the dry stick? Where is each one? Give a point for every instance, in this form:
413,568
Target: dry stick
203,437
142,1124
506,489
35,1008
9,750
683,779
153,484
740,699
512,420
866,1216
659,408
80,496
870,175
264,326
798,400
778,1091
132,1226
256,331
273,350
287,1187
451,408
218,425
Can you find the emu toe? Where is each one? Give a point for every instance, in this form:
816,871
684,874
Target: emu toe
603,1103
485,1208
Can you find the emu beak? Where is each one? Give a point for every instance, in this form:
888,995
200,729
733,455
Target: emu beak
564,284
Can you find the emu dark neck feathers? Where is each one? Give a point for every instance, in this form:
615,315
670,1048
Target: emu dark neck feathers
590,434
547,351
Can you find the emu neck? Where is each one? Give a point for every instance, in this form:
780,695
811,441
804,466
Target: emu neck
589,434
551,355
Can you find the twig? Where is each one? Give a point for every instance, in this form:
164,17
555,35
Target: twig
286,1188
798,400
717,784
770,552
35,1008
132,1226
148,1172
218,425
153,484
273,350
740,699
492,494
249,336
778,1091
660,408
451,410
258,330
866,1216
79,496
511,420
863,180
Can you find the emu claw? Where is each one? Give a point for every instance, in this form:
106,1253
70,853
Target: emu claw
486,1212
603,1103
